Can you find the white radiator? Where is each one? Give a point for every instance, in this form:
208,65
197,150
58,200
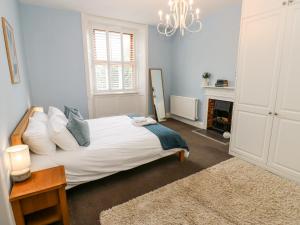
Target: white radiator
184,107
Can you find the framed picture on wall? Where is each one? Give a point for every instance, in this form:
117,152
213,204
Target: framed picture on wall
11,52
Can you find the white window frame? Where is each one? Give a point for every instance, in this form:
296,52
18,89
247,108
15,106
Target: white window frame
121,30
141,52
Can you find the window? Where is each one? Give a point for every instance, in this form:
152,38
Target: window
114,61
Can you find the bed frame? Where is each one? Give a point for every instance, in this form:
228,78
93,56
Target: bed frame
16,137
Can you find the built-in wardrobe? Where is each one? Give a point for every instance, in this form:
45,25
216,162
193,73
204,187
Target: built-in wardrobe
266,118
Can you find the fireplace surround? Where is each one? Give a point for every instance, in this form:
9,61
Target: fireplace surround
225,96
219,115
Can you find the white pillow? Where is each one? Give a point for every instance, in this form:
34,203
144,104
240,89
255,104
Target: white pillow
53,111
60,135
40,116
37,138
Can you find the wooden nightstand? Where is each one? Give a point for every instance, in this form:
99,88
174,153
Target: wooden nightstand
41,199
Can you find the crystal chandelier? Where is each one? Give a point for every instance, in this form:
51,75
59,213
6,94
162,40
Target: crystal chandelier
182,16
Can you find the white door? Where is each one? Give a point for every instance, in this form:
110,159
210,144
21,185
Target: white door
257,75
285,143
256,7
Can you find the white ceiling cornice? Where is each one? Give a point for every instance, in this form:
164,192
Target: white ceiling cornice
139,11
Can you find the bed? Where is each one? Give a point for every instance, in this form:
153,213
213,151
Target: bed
116,145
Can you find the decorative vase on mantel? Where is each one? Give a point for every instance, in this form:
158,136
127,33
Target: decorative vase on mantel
205,77
205,82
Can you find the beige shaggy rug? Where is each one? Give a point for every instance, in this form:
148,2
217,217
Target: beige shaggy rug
232,192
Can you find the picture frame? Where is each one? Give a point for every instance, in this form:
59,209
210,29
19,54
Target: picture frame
11,52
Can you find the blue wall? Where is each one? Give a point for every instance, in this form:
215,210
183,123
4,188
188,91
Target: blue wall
54,51
55,64
159,48
14,100
59,66
213,50
57,75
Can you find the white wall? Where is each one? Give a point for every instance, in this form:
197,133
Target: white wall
14,100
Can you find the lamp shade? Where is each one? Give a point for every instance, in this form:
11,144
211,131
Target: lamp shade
19,159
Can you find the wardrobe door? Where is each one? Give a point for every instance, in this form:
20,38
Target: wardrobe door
256,7
285,144
257,75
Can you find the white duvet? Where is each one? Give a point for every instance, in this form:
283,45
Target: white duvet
116,145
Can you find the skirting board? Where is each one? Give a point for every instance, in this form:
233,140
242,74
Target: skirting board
197,124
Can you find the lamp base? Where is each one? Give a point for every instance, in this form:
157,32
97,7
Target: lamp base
21,177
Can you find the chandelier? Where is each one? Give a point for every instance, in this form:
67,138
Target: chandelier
182,16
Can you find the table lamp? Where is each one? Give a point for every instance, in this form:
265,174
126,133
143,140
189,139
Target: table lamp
20,162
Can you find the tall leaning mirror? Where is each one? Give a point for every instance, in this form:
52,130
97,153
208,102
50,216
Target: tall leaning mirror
158,100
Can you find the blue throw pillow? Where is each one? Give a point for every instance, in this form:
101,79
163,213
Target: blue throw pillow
69,110
79,128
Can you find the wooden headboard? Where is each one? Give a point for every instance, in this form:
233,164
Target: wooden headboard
16,136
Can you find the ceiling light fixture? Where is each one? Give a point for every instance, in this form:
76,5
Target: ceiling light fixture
182,16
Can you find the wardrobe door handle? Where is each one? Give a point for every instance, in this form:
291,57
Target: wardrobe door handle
291,2
284,3
276,114
270,113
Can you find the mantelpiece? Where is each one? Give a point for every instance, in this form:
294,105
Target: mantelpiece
213,87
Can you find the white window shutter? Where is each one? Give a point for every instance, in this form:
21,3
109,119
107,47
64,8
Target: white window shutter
116,76
114,61
115,47
101,77
100,46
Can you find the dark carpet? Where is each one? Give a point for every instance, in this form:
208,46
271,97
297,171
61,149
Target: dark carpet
88,200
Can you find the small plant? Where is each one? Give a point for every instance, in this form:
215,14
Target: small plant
206,75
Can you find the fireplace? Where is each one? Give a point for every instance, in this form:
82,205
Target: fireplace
219,115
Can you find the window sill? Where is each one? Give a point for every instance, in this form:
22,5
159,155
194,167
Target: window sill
116,93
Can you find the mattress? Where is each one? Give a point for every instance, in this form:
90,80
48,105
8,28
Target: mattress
116,145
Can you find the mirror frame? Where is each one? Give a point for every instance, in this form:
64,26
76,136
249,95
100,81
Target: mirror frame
151,90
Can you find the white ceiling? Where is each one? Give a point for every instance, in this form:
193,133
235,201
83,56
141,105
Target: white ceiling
140,11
